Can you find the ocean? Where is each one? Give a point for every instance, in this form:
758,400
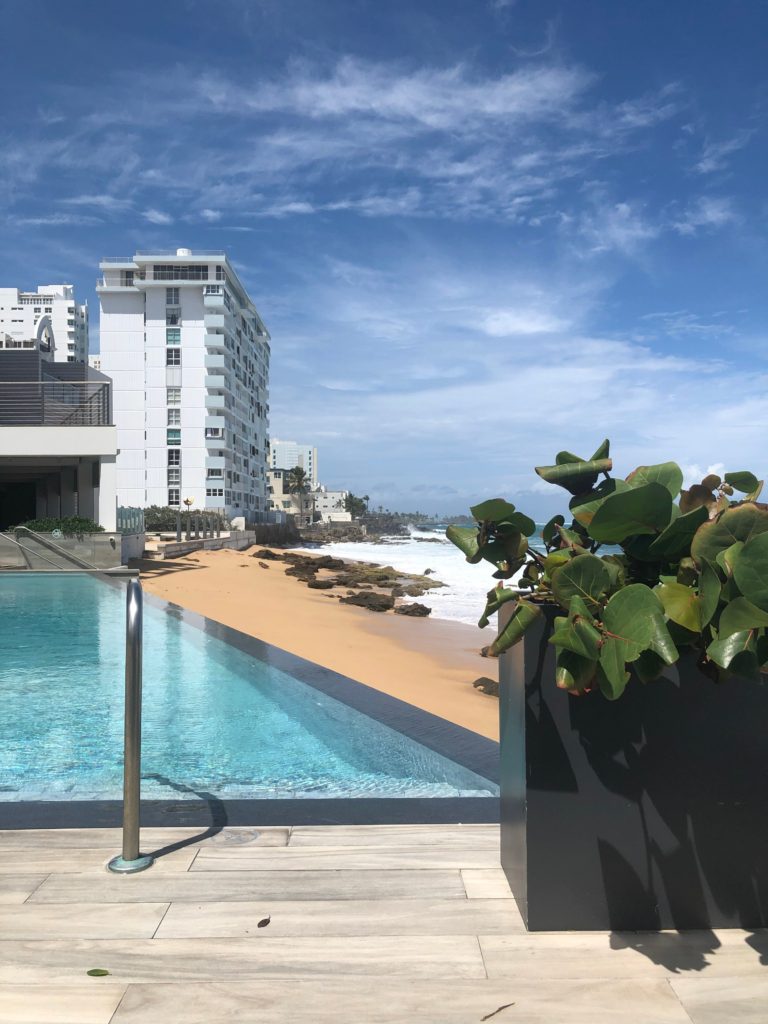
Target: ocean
462,599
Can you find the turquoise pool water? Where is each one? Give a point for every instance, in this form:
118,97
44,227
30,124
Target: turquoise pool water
216,720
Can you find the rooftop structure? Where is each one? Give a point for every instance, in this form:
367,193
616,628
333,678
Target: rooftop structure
189,356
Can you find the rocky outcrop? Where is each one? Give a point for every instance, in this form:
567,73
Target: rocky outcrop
487,685
418,611
320,584
373,602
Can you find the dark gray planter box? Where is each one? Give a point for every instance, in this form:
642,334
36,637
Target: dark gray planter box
644,813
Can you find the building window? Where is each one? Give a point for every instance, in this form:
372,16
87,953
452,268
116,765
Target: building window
173,357
173,336
38,309
174,475
220,275
171,296
172,317
214,433
214,492
173,495
173,396
126,278
174,457
215,474
173,437
174,417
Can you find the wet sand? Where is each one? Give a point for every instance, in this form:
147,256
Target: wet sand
430,663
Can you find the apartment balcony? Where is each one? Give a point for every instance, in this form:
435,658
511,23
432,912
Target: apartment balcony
215,361
215,340
215,462
215,402
215,380
55,403
214,301
214,321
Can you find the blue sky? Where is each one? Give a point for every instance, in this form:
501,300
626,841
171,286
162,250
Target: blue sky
479,232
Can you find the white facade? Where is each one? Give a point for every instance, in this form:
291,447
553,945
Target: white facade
330,505
95,361
51,317
189,356
289,454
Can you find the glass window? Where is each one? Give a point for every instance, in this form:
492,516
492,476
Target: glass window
173,357
215,474
172,317
174,417
174,475
174,457
173,396
173,495
171,296
173,437
173,336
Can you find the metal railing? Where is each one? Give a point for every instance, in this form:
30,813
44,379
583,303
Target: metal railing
130,520
54,403
80,563
131,859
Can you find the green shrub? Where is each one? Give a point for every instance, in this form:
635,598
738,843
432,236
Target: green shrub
70,526
688,570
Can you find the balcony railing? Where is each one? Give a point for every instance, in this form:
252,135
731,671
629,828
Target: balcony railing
54,403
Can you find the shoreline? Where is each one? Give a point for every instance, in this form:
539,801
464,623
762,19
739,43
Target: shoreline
430,664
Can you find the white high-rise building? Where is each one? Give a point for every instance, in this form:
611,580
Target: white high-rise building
289,454
188,355
49,316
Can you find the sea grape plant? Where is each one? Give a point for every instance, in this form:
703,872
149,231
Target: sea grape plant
679,569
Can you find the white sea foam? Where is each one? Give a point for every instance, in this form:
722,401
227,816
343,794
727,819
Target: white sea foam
463,596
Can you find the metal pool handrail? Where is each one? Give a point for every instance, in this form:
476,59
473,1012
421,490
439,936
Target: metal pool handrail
132,860
28,551
80,562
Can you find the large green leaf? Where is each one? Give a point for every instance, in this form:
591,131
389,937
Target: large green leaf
603,451
576,477
564,458
585,576
695,497
649,666
740,614
549,533
743,481
495,510
709,592
584,506
612,678
727,559
674,543
573,672
555,559
524,615
723,651
640,510
465,538
494,599
735,524
750,570
661,642
681,605
577,633
668,474
628,620
517,521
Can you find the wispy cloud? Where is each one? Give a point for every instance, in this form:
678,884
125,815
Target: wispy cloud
715,154
706,213
157,217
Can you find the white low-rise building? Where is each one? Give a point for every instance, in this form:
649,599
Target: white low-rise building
189,356
330,505
50,317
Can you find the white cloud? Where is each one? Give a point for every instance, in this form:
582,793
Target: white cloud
707,212
714,155
157,217
620,227
210,215
502,323
99,200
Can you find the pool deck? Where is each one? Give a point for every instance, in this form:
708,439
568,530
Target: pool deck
331,925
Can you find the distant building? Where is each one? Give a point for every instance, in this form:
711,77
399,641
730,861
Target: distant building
95,361
289,454
189,357
50,317
330,505
318,503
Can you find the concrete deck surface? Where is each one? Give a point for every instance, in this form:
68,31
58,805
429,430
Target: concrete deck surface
331,925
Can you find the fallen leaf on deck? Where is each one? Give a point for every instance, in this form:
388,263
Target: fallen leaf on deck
264,922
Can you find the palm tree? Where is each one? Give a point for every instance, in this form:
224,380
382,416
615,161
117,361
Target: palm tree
297,482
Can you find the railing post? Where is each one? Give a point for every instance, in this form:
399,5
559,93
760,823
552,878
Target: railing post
131,859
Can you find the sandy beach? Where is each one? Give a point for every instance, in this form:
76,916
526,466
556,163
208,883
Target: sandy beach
430,663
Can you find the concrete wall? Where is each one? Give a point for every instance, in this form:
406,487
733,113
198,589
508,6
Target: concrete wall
132,546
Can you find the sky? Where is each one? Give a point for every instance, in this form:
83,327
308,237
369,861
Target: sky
479,231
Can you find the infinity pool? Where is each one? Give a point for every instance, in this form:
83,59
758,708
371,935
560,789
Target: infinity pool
216,720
